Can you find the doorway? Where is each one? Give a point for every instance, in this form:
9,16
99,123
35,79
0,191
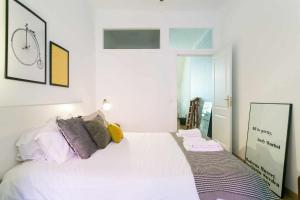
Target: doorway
195,81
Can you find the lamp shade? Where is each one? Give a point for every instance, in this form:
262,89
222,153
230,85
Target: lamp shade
106,105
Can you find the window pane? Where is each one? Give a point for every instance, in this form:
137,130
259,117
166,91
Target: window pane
131,39
191,38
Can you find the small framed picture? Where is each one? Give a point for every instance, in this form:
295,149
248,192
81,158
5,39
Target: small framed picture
26,36
59,65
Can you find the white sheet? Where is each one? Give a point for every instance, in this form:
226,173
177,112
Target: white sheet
144,166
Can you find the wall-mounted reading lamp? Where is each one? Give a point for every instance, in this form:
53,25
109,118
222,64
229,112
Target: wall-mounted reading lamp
106,106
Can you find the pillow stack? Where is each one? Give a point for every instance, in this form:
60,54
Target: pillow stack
61,140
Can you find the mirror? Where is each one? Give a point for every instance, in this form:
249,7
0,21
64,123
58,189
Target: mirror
205,123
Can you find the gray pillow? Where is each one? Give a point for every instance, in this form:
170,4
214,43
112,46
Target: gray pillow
77,137
98,133
94,116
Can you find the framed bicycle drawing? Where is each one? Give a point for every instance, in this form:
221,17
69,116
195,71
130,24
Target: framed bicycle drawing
25,44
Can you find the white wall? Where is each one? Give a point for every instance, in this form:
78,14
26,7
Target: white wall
266,66
184,86
21,104
202,83
141,84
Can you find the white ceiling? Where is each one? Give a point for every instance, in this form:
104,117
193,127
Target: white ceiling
176,5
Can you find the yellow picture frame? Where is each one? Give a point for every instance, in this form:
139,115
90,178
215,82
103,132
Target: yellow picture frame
59,65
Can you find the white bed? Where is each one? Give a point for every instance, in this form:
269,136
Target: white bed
144,166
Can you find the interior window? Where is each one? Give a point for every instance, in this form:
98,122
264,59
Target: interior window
191,38
131,39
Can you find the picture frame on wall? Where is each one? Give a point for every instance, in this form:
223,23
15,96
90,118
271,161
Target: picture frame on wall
26,44
267,142
59,65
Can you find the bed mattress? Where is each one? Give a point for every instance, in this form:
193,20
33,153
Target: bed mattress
144,166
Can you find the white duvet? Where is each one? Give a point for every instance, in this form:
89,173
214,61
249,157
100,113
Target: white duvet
144,166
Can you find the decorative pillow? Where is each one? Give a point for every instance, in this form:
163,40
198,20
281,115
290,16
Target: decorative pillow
98,115
98,133
53,144
115,132
77,137
28,148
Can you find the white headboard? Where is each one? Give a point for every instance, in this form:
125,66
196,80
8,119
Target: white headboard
16,119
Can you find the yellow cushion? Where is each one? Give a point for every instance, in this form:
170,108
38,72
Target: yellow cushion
115,132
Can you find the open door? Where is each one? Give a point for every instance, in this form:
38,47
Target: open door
222,108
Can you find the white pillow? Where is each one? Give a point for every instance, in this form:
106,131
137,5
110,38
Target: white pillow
28,148
53,144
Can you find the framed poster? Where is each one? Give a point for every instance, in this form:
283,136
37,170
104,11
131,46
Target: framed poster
266,149
59,65
25,44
